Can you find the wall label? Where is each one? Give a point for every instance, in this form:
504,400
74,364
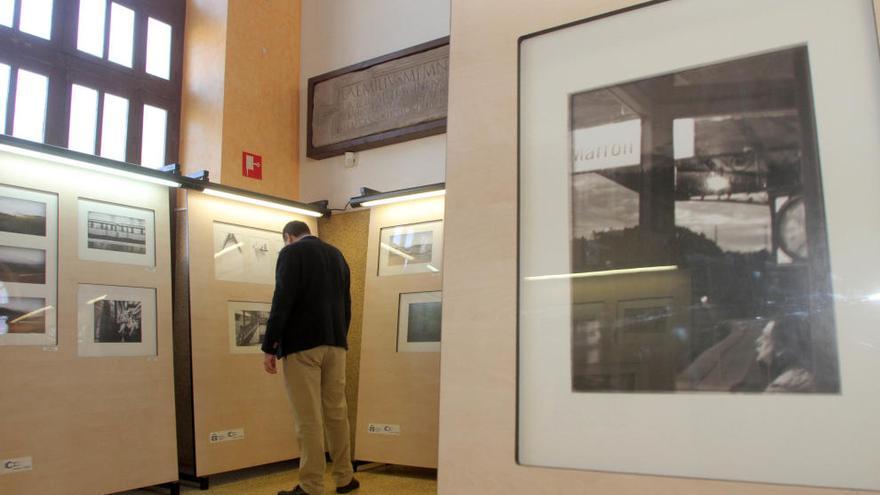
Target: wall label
380,429
226,435
8,466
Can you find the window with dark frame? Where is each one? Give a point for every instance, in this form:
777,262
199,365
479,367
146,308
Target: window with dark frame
97,76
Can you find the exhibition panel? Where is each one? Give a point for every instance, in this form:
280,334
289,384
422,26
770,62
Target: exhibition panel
231,413
85,338
699,198
398,392
608,387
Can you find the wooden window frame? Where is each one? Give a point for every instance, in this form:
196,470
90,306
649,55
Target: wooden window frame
59,59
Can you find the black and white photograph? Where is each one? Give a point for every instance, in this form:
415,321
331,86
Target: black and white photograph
22,216
23,315
423,324
117,321
117,233
699,177
701,192
21,265
419,322
408,248
415,248
245,254
113,233
247,325
731,194
250,327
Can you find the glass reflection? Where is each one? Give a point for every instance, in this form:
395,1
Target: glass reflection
711,170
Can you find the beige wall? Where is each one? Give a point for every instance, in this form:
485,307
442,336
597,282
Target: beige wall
478,371
204,70
231,390
240,92
400,388
349,232
91,424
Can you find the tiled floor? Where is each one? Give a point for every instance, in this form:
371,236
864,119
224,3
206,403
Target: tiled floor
267,480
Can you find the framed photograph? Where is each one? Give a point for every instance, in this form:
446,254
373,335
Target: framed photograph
419,322
28,266
116,321
245,254
686,185
247,326
414,248
382,101
113,233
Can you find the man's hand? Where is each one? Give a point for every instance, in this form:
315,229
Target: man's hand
269,364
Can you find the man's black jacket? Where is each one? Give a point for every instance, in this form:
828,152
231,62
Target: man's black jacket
312,302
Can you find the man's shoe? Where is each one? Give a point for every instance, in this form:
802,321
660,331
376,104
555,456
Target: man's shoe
352,485
297,490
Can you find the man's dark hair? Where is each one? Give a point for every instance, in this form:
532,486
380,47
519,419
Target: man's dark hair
296,228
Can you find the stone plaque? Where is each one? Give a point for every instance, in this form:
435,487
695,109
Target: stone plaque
391,99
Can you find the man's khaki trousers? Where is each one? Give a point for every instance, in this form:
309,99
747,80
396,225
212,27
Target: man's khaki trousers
315,381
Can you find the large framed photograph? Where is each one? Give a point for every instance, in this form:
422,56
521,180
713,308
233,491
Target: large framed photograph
690,190
382,101
419,321
245,254
114,233
247,326
28,266
116,321
413,248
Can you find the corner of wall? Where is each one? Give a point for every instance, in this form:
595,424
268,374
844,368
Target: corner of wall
204,62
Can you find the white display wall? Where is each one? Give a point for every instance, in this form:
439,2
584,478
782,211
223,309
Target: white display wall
87,400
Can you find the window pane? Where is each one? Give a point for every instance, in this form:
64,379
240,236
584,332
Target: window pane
158,49
36,18
114,127
4,95
83,119
7,9
31,91
90,33
121,35
153,143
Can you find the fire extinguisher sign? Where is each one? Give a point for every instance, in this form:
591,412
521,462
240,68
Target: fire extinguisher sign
251,165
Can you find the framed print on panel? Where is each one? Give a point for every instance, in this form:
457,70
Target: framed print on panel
114,233
245,254
247,326
692,186
414,248
28,266
116,321
419,322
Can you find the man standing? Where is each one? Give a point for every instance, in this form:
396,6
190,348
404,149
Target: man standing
307,327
